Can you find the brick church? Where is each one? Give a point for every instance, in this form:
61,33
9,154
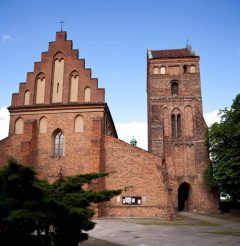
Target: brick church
60,124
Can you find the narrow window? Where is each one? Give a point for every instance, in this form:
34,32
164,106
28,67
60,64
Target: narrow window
176,125
185,68
87,96
74,81
40,82
174,130
27,98
175,88
58,74
58,143
179,132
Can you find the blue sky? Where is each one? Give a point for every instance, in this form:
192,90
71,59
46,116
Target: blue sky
113,37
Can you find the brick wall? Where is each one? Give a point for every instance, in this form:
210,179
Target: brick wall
142,173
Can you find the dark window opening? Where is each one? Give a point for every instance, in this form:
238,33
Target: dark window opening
57,87
176,125
58,144
175,89
185,68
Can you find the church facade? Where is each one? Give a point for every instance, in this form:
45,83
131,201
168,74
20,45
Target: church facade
60,124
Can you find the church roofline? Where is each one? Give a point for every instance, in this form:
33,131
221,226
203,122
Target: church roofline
172,53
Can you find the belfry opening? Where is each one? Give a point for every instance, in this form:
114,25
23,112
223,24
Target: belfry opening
183,196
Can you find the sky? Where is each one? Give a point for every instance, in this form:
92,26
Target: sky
113,37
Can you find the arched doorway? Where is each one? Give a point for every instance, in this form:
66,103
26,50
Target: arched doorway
183,196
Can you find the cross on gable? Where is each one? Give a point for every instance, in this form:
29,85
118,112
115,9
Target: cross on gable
62,22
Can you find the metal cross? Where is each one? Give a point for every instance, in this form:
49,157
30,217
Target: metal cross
61,22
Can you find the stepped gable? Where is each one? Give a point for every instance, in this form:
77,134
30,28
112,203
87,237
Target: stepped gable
38,90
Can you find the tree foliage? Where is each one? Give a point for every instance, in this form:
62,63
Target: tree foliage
223,140
34,212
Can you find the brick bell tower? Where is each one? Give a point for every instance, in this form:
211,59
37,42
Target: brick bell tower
176,127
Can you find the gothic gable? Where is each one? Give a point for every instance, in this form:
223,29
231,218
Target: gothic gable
60,77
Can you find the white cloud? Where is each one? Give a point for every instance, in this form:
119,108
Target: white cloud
6,38
4,122
125,130
137,129
212,117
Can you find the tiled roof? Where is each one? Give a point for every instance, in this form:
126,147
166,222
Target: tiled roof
185,52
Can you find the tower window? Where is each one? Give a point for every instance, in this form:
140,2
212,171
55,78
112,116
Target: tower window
185,68
174,132
176,125
156,70
192,69
175,88
162,70
58,138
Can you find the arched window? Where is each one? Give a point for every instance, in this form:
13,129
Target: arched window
78,124
58,143
87,94
176,125
58,72
156,70
179,131
43,125
162,70
40,93
174,130
27,98
19,126
74,80
174,88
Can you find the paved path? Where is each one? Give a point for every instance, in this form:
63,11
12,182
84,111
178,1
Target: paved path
131,234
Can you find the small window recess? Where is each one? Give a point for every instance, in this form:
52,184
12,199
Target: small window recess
185,68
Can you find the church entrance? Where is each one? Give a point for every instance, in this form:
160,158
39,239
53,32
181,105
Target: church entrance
183,196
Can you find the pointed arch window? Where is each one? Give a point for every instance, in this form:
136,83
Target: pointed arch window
176,125
175,88
43,123
78,124
74,84
87,94
58,143
27,98
19,124
40,83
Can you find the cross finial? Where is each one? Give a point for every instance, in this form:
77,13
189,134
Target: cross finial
62,22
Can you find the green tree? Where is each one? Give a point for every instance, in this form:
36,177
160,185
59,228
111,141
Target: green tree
223,140
34,212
